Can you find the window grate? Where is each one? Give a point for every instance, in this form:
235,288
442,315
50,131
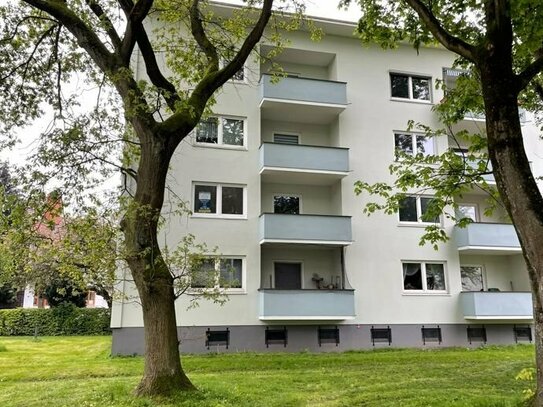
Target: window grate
276,337
476,334
522,333
431,335
381,335
217,338
328,335
285,138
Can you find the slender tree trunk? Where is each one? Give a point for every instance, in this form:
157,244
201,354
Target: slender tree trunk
516,185
163,373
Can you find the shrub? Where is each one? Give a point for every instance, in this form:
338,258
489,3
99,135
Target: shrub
65,319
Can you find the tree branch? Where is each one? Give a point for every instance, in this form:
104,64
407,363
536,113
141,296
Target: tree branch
136,33
531,70
85,36
102,16
214,79
135,14
198,32
449,41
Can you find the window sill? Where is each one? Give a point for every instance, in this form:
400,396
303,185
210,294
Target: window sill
416,101
223,292
220,146
425,294
214,216
418,224
238,82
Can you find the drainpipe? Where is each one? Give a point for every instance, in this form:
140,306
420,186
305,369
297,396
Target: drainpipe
342,256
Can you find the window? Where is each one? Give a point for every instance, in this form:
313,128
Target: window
217,338
239,76
467,211
219,200
381,335
223,131
424,277
413,144
472,278
415,209
230,271
328,335
410,87
286,204
276,336
431,335
522,333
215,272
476,334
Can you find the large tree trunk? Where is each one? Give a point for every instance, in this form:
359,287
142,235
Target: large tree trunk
516,184
163,373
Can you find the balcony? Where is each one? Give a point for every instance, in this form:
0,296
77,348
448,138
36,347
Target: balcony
478,305
487,238
300,305
305,229
302,100
300,164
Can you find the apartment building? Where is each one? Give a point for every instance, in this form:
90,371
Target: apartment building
270,182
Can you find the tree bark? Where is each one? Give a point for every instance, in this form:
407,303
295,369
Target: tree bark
515,182
163,373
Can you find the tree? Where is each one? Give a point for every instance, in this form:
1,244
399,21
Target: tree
502,40
45,41
58,254
62,290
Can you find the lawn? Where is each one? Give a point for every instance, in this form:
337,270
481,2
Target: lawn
78,371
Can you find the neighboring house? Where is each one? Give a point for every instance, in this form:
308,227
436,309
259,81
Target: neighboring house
270,182
52,227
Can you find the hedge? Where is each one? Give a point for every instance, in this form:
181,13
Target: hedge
65,319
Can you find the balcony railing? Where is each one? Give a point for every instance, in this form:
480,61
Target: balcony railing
324,305
304,90
304,158
309,229
303,100
477,237
496,305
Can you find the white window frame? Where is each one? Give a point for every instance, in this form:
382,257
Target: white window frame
287,133
300,262
483,275
410,77
425,290
229,290
413,143
218,204
419,213
220,133
299,196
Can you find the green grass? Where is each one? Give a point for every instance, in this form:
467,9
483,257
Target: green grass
78,371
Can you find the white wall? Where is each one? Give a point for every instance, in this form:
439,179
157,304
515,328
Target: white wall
366,127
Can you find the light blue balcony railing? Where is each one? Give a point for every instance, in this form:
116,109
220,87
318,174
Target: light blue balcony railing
304,158
317,229
304,90
333,305
492,236
496,305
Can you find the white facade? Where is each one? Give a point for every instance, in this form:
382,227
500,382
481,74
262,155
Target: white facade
370,261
